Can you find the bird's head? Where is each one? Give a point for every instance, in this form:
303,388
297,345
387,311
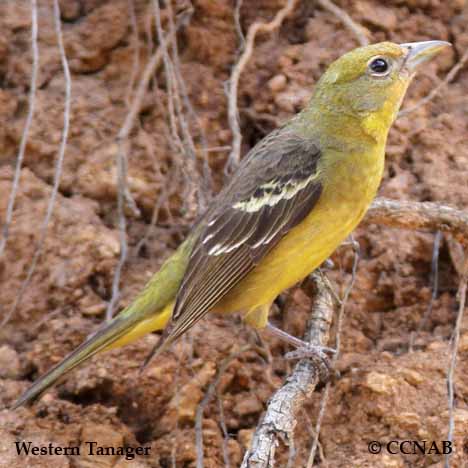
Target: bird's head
369,83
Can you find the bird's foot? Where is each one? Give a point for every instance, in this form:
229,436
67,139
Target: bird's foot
309,351
319,356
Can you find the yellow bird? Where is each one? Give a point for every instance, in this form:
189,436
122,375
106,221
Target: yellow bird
295,197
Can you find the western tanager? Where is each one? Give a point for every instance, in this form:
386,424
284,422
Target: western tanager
294,198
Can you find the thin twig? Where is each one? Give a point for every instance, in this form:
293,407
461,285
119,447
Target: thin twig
339,329
163,197
434,281
58,166
311,430
122,224
122,138
148,73
136,51
237,24
233,114
344,301
121,158
282,413
435,91
181,138
222,423
453,358
292,452
176,399
203,185
27,126
356,29
413,215
207,398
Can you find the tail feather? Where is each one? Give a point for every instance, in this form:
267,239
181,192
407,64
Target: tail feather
102,339
150,311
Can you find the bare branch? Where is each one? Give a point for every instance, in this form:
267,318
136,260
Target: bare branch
27,126
181,137
58,165
234,156
356,29
148,73
453,358
419,215
281,416
121,163
434,92
184,109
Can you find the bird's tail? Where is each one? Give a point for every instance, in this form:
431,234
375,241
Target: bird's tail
150,311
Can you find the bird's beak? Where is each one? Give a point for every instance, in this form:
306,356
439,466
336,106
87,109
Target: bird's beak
419,52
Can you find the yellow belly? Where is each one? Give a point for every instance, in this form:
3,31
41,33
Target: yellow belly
342,205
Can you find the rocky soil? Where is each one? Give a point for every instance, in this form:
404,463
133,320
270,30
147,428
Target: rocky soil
384,391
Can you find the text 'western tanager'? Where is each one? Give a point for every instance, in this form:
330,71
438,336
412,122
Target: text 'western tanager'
294,198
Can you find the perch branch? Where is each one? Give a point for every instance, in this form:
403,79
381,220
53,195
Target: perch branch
254,29
356,29
280,418
27,126
283,409
419,215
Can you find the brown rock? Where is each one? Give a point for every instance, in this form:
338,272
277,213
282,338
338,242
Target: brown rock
380,383
103,436
249,405
9,363
378,16
277,83
185,402
411,376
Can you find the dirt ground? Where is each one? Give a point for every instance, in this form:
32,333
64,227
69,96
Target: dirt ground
384,391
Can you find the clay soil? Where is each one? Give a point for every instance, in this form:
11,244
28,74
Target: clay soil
384,391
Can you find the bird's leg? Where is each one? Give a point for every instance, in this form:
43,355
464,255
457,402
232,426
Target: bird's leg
297,343
316,353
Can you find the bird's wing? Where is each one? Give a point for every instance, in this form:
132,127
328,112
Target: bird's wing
276,186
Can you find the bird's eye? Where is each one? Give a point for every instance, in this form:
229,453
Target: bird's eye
379,66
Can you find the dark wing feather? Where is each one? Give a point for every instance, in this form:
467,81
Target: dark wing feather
275,188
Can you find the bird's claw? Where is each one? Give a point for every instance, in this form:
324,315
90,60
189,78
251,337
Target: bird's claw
310,351
319,355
